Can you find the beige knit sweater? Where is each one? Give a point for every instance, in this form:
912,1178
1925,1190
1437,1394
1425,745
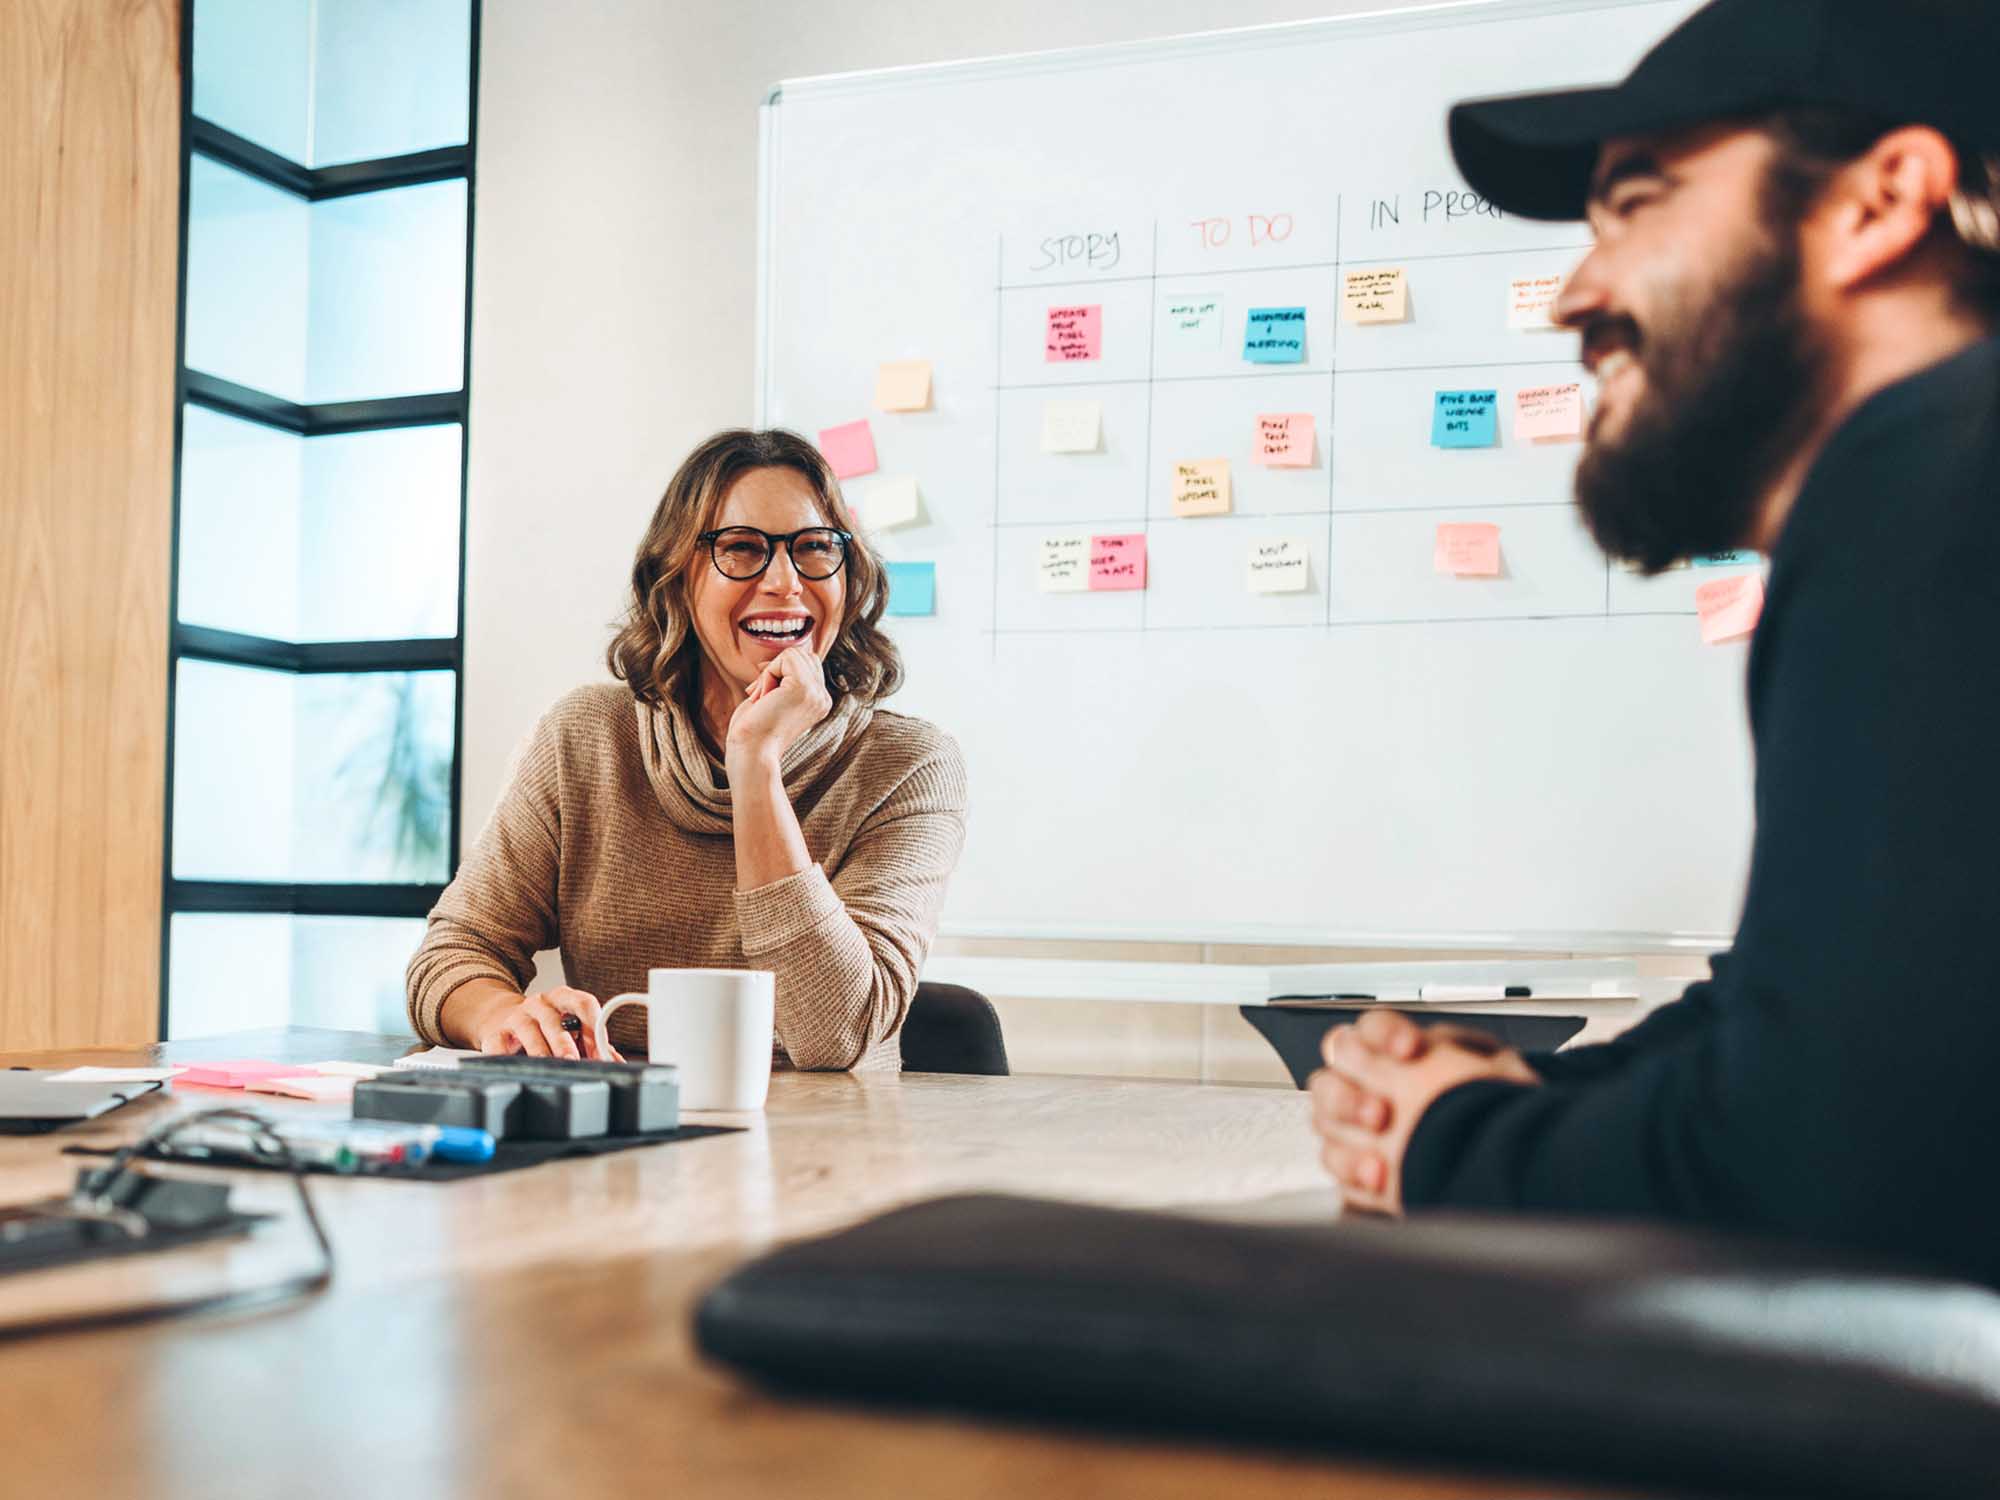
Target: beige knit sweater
612,841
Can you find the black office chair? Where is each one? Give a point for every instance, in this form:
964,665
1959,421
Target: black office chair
951,1029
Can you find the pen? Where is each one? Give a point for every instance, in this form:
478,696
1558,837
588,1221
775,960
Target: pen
1475,992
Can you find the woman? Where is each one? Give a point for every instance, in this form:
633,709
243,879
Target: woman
740,802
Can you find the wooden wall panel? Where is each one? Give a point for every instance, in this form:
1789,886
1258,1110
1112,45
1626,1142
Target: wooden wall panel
89,226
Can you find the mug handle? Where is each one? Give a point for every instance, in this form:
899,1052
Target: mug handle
604,1019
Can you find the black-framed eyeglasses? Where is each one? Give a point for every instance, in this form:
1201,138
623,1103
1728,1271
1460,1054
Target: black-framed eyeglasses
743,552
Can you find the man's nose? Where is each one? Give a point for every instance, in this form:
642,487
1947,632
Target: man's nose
1584,296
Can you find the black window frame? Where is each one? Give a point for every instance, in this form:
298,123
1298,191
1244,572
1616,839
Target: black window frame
200,643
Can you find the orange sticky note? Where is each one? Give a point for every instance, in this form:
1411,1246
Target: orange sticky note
1549,414
1730,608
1531,302
1467,549
1284,440
1117,562
849,448
1074,333
903,385
1201,488
1375,296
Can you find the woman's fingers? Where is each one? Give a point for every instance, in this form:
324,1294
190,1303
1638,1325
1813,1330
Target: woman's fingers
526,1035
547,1018
1338,1102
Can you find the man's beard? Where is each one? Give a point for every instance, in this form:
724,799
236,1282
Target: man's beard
1732,388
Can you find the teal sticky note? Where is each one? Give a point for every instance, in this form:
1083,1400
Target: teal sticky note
1275,336
1466,419
1730,560
912,588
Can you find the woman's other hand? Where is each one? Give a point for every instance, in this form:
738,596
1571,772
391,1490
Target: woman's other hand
486,1015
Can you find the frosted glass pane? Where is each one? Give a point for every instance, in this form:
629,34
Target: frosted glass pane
346,538
234,973
249,251
253,70
313,778
393,77
387,294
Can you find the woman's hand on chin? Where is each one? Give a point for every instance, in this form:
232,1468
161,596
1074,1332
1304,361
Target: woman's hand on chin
786,700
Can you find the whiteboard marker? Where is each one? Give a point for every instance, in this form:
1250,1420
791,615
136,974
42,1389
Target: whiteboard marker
1474,992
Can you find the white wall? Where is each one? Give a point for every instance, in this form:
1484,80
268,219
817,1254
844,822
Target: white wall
613,299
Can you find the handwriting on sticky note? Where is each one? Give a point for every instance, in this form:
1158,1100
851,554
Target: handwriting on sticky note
1466,419
1467,549
1075,333
890,503
1283,566
1191,324
1375,296
849,448
912,588
1730,608
1284,440
1737,559
903,385
1275,336
1117,562
1549,414
1071,426
1201,487
1531,301
1064,565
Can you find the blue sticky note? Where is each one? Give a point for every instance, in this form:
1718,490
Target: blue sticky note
1730,560
1466,419
912,588
1275,336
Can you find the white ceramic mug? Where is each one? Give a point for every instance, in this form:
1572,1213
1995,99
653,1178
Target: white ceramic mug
715,1025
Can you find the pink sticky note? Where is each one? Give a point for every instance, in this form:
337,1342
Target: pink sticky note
1075,333
1468,549
239,1073
850,448
1284,440
1730,607
1117,562
1549,414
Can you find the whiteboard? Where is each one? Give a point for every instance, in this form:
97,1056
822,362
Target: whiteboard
1548,758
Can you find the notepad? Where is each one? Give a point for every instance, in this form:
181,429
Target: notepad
436,1057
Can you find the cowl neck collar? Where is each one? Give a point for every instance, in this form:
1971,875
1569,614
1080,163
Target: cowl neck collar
689,784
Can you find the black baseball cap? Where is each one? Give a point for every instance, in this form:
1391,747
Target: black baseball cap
1918,62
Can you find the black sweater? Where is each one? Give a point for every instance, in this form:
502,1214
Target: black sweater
1839,1077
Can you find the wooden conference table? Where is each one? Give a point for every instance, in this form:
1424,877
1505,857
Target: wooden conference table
529,1333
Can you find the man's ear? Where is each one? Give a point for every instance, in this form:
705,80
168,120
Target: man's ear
1881,208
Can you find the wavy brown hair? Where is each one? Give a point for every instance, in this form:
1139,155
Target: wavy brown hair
656,652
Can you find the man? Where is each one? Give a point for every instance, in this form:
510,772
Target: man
1791,307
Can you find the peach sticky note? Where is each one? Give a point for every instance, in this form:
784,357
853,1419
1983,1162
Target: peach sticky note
890,503
1280,566
1531,302
1467,549
1071,426
1075,333
1375,296
1064,565
1549,414
1117,562
1284,440
903,385
1729,607
237,1073
850,448
1201,488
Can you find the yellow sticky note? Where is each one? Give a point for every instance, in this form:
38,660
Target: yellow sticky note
1201,488
1064,565
903,385
1376,296
1072,426
1531,302
1281,566
1468,550
1548,414
890,503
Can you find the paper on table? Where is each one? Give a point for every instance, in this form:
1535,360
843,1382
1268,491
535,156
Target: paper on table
306,1086
1275,336
890,503
1193,323
912,588
1376,296
1467,549
1548,414
236,1073
1531,302
849,448
1730,608
1201,487
1071,426
1118,562
1064,567
903,385
1280,567
1466,419
435,1057
1074,333
1284,440
116,1075
348,1069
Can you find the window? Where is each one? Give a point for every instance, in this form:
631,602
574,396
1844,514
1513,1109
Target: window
315,690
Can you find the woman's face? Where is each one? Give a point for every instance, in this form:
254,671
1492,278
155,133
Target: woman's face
744,624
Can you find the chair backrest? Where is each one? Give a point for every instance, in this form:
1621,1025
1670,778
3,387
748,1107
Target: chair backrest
951,1029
